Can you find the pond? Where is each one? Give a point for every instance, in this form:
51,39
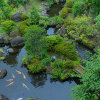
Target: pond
38,86
55,9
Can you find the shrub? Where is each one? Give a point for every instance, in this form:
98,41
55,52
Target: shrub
7,26
97,20
58,20
62,69
34,16
51,41
22,27
24,16
37,66
79,7
69,3
67,49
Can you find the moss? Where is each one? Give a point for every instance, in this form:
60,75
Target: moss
2,58
90,44
53,40
67,49
22,26
24,17
62,69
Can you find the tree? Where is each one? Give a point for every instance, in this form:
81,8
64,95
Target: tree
35,43
90,87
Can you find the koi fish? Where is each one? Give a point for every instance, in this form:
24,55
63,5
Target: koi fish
24,76
13,76
10,80
25,86
18,72
10,84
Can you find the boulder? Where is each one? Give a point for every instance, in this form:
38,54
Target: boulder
6,40
17,17
10,50
3,73
17,42
53,58
1,40
1,54
61,31
2,97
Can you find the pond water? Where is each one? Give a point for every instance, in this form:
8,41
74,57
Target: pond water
54,9
50,31
39,86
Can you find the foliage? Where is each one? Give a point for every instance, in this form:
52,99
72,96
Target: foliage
67,49
90,87
7,26
2,57
22,26
67,8
34,15
95,4
24,17
97,20
51,41
62,69
45,21
18,2
79,7
5,9
80,28
35,41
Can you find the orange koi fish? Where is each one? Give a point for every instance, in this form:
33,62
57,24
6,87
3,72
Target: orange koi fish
24,76
9,80
18,72
25,86
13,76
10,84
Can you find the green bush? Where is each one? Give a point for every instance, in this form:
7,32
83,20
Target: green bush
51,41
67,49
7,26
22,26
79,7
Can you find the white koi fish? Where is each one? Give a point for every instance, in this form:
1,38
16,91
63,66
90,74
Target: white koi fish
25,86
9,80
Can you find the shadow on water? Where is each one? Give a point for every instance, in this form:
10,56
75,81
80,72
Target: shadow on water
40,85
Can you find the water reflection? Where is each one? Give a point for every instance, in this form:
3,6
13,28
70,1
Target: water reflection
39,79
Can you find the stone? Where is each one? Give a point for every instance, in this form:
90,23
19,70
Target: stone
53,58
45,15
3,73
17,42
10,50
61,31
2,97
1,40
17,17
6,40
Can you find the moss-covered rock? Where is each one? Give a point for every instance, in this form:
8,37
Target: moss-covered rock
1,54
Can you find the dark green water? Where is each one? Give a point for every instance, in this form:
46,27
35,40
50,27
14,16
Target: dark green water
54,9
